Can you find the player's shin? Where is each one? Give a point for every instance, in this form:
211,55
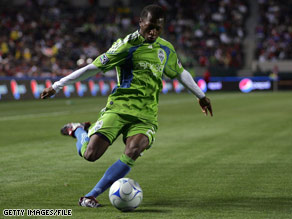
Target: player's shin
118,170
82,139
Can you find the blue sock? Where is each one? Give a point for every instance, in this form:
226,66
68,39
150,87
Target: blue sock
116,171
82,138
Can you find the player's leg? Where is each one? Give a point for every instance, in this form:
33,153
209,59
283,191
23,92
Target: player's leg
96,147
137,137
109,127
91,148
78,131
135,145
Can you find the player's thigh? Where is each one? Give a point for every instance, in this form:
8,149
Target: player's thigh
96,147
109,125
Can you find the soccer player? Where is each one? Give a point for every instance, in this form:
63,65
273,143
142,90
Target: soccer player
140,59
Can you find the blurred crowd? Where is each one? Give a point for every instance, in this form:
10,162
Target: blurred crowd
53,38
208,32
274,30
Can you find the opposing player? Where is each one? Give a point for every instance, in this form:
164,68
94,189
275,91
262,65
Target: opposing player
140,59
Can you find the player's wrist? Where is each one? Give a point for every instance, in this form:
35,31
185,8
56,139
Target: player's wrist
55,87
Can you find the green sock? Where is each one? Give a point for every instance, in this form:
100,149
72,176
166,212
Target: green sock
127,160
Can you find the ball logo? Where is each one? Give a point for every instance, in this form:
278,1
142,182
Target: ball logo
202,85
246,85
94,88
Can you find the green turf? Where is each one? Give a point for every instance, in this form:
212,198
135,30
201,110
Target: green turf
235,165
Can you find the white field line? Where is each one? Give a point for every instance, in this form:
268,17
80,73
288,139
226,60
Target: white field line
60,113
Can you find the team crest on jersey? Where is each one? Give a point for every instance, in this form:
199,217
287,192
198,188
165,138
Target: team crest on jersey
161,55
104,59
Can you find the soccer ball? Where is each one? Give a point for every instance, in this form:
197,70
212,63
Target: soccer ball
125,194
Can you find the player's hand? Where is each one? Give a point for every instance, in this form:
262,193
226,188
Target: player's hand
47,92
206,106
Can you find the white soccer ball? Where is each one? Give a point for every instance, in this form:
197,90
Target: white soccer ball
125,194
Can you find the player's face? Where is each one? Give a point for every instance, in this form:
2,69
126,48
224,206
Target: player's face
151,28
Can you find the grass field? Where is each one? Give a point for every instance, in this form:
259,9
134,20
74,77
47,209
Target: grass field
237,164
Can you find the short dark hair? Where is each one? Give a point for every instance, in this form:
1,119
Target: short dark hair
155,10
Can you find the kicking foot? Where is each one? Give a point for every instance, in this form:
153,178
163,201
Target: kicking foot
70,128
90,202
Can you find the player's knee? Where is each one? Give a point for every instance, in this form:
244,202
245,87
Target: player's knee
90,156
133,152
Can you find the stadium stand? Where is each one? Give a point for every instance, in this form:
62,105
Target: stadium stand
274,31
45,38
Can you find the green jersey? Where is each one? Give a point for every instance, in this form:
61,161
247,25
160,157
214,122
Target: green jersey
140,66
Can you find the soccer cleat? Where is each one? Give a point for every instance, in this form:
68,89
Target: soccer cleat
90,202
70,128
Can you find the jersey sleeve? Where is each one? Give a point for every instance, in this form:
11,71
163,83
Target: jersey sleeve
173,66
115,56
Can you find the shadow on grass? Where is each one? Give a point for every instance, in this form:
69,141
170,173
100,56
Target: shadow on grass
282,204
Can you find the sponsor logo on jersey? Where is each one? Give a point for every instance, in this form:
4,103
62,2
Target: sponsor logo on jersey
161,55
155,68
103,59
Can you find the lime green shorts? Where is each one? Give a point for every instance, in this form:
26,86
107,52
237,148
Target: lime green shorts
111,125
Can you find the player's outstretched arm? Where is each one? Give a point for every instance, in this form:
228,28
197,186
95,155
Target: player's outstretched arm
78,75
187,80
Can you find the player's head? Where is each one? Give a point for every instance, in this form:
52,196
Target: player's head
151,22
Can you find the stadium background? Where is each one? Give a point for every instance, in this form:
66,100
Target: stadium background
236,164
222,42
